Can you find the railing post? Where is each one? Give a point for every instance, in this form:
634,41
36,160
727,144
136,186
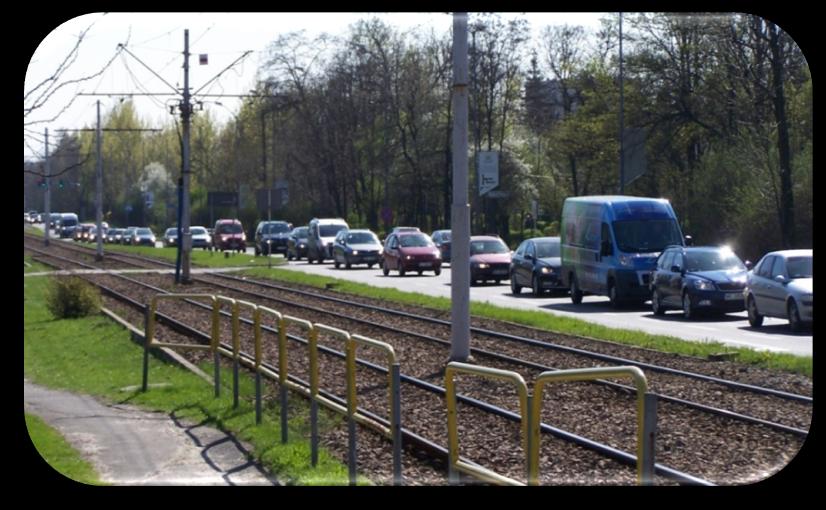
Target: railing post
395,424
649,438
146,340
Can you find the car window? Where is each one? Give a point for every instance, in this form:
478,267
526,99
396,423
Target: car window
300,232
394,242
361,238
144,232
330,230
779,267
678,260
417,240
494,246
799,267
229,228
197,231
713,260
521,249
766,267
547,249
531,250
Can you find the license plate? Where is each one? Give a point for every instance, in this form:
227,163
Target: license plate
733,296
500,271
425,264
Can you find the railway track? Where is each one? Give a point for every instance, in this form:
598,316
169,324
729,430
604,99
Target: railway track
677,428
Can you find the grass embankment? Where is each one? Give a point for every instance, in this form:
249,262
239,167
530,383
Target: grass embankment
58,453
200,257
550,322
95,356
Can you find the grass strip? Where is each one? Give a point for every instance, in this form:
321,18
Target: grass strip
58,453
94,356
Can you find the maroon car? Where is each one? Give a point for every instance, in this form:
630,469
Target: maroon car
410,251
490,259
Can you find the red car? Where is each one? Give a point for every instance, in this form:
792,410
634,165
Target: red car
410,251
229,235
490,259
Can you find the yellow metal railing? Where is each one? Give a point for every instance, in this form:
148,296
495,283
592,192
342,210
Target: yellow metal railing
455,463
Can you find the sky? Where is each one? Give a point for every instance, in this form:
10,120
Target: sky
156,41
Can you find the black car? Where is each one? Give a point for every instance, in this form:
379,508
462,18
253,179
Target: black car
356,247
441,238
537,264
707,278
271,237
297,243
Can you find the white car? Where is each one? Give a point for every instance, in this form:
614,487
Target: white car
200,237
780,285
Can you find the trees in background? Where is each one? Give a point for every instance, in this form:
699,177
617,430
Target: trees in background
359,127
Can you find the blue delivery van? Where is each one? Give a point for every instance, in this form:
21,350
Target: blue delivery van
610,245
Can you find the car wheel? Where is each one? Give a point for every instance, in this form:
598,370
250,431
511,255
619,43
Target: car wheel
537,290
370,266
347,265
257,252
515,288
437,271
688,310
576,292
755,319
420,272
656,303
337,264
384,269
795,323
401,270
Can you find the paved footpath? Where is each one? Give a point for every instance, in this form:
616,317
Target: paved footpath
130,446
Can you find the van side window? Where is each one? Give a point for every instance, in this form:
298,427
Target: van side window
606,238
591,236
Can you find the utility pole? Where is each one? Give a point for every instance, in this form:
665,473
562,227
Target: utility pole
186,235
99,192
622,114
47,199
460,219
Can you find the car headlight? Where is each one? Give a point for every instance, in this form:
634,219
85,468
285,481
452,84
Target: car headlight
482,265
626,261
408,257
302,245
546,270
354,252
703,285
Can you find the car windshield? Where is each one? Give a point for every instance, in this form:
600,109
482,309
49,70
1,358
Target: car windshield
362,238
799,267
172,232
646,236
494,246
546,250
229,228
445,236
301,232
329,230
416,240
144,232
713,260
198,231
275,228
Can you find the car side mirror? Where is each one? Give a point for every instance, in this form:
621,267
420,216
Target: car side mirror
528,256
676,269
689,241
781,279
749,265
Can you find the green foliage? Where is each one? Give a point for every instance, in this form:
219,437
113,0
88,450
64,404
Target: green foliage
58,453
71,297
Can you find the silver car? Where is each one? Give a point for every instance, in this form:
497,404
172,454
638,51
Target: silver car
780,285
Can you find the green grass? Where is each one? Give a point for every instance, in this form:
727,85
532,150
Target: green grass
550,322
32,266
58,453
57,354
200,257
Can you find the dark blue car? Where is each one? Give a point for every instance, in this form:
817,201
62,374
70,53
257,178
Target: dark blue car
701,278
536,264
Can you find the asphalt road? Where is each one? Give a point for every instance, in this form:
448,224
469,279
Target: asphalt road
731,329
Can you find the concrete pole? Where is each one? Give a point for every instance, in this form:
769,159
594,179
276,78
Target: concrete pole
460,220
622,114
47,198
186,236
99,191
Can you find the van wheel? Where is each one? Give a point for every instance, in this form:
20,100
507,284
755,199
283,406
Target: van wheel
576,292
755,319
612,294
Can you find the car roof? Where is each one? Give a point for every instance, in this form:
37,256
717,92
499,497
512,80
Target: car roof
792,253
544,239
485,238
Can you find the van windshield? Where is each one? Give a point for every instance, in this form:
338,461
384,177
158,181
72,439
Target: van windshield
68,222
646,236
229,228
329,230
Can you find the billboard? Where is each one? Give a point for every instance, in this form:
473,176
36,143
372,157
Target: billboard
487,163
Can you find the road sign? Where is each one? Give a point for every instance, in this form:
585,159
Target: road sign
487,163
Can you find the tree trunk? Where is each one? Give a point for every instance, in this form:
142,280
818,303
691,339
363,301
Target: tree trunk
783,149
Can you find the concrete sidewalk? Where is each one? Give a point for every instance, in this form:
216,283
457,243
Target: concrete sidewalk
129,446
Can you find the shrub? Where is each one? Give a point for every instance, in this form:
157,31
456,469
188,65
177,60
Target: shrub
72,297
